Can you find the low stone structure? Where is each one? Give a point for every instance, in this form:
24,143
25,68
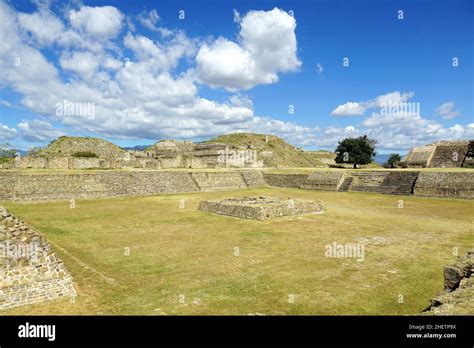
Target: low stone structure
30,271
389,182
441,154
445,184
186,154
458,295
33,186
23,186
261,208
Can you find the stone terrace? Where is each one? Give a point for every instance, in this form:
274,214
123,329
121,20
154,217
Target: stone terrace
261,208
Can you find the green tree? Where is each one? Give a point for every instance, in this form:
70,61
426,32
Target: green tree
34,151
393,159
355,150
470,150
6,151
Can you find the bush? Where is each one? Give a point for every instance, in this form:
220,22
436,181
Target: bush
393,160
84,154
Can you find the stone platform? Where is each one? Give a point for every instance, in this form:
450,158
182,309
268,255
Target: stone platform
261,207
30,271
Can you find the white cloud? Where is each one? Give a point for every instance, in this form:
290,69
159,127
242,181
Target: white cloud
160,56
38,131
5,103
263,36
237,18
320,68
447,111
149,19
147,99
83,63
7,133
385,100
44,26
349,109
99,22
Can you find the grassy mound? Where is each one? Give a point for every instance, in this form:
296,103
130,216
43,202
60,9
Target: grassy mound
70,146
276,152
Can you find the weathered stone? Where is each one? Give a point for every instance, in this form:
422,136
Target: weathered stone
261,208
30,273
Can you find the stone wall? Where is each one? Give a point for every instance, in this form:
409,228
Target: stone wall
389,182
436,184
323,180
216,181
285,180
64,186
458,295
30,271
445,184
441,154
449,155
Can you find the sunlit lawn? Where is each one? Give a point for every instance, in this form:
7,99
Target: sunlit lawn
184,261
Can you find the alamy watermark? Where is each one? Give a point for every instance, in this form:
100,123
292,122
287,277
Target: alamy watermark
67,108
350,250
16,251
408,108
237,157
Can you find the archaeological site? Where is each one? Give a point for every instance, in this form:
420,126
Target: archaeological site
198,172
240,182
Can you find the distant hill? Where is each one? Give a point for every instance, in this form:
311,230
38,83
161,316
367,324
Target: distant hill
68,146
277,152
136,147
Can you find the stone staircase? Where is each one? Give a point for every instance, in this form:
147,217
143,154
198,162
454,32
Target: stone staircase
253,178
395,183
346,183
448,156
401,183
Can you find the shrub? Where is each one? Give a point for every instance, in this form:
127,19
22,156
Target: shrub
84,154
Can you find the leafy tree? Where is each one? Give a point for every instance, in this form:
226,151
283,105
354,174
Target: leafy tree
470,151
393,159
355,150
6,152
34,151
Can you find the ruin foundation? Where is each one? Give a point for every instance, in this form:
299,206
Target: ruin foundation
261,208
30,271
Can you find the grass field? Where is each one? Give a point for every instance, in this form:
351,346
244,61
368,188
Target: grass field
185,262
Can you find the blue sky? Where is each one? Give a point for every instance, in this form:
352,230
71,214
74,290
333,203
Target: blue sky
238,66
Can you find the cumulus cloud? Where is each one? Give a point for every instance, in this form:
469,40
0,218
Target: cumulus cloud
7,133
44,26
447,110
83,63
149,19
139,88
396,123
38,131
251,61
99,22
349,109
392,99
138,97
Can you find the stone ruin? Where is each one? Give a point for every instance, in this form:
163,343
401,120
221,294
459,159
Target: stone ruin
186,154
30,272
262,207
441,154
458,295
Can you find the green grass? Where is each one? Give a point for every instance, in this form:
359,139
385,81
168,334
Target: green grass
176,252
